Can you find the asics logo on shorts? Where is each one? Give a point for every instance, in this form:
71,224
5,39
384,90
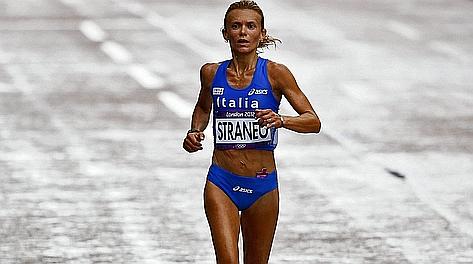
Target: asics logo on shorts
241,189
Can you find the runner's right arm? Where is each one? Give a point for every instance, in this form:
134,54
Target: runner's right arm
203,107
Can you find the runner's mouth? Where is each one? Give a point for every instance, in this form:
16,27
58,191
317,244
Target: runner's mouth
243,41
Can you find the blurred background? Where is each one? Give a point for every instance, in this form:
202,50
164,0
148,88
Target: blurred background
96,97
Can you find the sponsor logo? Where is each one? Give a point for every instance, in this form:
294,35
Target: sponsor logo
242,190
217,91
258,92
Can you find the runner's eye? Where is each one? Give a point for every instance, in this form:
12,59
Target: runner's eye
252,26
234,26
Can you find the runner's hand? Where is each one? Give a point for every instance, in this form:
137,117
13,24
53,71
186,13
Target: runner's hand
268,118
192,141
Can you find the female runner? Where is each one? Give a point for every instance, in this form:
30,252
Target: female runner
244,93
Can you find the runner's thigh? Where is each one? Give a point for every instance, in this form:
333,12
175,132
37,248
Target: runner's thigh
258,225
224,222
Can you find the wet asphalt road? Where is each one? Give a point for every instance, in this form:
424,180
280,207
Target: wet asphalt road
95,99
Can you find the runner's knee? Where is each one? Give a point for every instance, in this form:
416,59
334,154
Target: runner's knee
228,257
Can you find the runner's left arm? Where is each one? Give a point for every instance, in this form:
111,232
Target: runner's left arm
283,82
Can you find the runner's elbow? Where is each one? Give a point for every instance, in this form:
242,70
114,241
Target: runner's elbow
317,126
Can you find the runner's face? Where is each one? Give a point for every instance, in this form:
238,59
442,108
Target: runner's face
243,30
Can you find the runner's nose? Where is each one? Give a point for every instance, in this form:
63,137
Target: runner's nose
243,30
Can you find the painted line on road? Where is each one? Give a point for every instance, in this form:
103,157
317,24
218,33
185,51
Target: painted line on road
92,31
7,88
359,91
117,52
178,105
71,3
319,31
345,185
145,77
4,57
77,150
404,30
169,28
448,49
135,219
178,35
448,213
134,8
39,25
142,245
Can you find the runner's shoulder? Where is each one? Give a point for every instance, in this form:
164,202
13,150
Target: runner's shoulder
278,73
207,71
275,68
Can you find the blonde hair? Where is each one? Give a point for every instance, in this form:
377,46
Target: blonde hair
252,5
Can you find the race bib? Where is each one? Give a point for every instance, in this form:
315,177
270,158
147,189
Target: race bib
240,130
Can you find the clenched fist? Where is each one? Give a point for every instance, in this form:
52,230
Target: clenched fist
192,142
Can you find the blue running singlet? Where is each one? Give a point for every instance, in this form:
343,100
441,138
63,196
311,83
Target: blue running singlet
234,123
243,191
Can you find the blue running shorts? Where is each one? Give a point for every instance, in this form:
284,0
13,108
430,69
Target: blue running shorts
243,191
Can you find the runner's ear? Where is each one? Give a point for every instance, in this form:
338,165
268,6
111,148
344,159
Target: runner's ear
224,34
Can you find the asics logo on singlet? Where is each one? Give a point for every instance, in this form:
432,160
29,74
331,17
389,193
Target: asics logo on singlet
257,91
217,91
242,190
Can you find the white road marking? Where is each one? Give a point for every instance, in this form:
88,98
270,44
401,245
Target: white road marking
117,52
427,184
70,2
39,25
143,245
356,149
144,77
404,30
180,36
4,57
92,31
178,105
124,23
444,210
341,185
171,30
319,30
134,8
448,49
76,147
140,73
134,220
7,88
80,6
359,91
